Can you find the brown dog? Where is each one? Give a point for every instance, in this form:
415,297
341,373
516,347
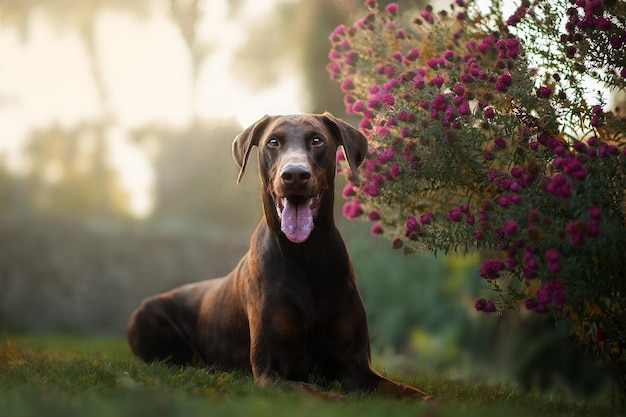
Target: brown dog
291,307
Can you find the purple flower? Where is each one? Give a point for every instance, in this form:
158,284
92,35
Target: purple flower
466,78
425,218
559,186
478,235
464,108
454,215
437,81
577,230
530,303
395,170
480,304
411,223
388,99
490,268
595,213
574,168
374,215
509,227
413,54
552,255
516,172
486,306
489,113
499,142
544,92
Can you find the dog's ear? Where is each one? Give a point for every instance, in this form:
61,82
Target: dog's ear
353,141
243,143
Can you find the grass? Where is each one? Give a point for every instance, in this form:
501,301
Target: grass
65,375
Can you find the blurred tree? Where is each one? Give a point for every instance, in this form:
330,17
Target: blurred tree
99,191
297,34
68,173
6,187
186,14
196,174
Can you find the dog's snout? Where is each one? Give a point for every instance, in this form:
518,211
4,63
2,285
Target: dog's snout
295,174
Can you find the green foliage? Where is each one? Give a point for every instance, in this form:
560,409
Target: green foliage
71,375
484,135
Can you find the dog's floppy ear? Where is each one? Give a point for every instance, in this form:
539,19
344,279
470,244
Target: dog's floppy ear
353,141
243,143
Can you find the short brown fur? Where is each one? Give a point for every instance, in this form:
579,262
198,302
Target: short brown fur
288,310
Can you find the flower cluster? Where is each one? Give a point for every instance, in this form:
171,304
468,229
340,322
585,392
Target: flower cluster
472,147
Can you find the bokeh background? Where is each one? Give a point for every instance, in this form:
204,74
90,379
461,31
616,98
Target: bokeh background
117,181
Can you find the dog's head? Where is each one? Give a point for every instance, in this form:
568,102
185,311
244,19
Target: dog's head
297,165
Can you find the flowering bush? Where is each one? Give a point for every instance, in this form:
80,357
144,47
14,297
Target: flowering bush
484,135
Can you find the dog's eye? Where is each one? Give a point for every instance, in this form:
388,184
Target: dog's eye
317,141
273,142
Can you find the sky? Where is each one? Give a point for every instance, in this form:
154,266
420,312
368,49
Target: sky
46,79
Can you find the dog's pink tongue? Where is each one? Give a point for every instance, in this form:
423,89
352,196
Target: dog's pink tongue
297,220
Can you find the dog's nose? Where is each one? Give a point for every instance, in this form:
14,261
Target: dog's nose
295,175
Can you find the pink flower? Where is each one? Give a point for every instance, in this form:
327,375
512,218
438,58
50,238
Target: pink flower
352,209
374,215
392,8
348,191
376,229
370,189
347,85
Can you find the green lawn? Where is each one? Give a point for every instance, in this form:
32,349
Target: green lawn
65,375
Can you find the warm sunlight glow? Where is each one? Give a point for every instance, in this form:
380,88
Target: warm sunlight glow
146,74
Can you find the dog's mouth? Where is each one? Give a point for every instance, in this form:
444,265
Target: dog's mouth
297,214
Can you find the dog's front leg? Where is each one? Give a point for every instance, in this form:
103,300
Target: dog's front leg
348,347
278,351
278,343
